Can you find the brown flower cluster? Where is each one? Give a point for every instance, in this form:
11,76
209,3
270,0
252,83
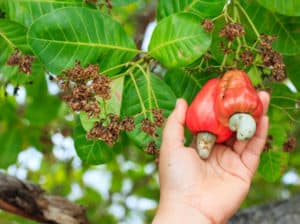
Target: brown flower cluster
290,144
101,3
232,30
208,25
247,57
82,86
24,62
272,58
150,127
268,143
152,149
109,130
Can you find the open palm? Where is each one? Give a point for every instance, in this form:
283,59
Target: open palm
216,186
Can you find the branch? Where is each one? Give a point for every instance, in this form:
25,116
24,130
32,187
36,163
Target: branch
30,201
281,212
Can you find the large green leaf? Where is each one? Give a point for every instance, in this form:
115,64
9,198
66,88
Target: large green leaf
285,7
10,146
179,40
184,84
91,152
285,28
152,90
282,112
26,11
12,36
69,34
272,164
202,8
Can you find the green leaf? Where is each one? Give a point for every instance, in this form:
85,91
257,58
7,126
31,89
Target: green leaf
12,36
284,7
8,107
10,147
201,8
152,91
26,11
282,113
69,34
122,2
113,105
255,75
184,84
91,152
272,164
41,107
179,40
292,67
285,28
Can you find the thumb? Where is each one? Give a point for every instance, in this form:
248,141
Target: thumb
173,134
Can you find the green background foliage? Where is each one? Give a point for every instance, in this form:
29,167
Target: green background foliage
181,57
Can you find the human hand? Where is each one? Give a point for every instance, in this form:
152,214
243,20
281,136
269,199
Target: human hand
193,190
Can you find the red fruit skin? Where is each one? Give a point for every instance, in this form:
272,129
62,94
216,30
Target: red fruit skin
201,115
235,93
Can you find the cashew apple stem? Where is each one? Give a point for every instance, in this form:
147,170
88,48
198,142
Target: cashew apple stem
205,142
243,124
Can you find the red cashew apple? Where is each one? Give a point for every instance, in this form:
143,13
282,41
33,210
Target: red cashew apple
202,121
237,104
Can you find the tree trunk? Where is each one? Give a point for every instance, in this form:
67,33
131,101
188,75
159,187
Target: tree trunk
282,212
29,200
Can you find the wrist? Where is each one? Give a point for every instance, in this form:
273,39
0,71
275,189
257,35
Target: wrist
176,212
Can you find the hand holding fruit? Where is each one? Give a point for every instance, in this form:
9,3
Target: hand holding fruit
205,191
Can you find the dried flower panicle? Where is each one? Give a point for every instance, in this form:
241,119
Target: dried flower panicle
272,58
247,57
101,87
24,62
225,48
152,148
159,118
208,25
290,144
148,127
101,3
268,143
110,131
128,124
232,31
82,86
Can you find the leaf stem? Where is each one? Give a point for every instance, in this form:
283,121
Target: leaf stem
249,20
138,93
225,57
146,75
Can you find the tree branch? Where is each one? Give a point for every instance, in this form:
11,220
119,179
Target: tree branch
30,201
281,212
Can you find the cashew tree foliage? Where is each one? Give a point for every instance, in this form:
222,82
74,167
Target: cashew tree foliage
83,89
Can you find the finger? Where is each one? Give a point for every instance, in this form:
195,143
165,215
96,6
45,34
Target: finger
173,134
265,99
255,146
239,146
